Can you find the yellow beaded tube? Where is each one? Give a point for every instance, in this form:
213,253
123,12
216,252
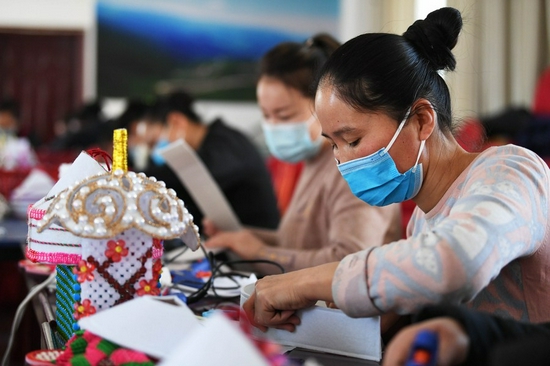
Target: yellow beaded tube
120,152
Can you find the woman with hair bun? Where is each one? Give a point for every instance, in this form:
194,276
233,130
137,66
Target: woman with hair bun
481,232
324,221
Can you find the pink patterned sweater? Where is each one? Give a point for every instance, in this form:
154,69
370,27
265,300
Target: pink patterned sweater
486,244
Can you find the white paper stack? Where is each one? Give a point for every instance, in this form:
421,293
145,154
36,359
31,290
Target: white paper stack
328,330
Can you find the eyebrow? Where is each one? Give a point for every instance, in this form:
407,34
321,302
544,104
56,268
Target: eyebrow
340,131
277,110
282,109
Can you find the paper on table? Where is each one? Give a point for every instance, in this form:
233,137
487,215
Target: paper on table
218,342
194,175
147,324
328,330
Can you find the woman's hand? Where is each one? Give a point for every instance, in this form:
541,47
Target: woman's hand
243,243
453,342
209,228
276,299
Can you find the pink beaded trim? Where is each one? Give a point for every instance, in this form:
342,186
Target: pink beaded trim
35,213
57,258
157,252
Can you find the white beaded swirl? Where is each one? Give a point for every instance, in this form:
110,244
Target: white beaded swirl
104,205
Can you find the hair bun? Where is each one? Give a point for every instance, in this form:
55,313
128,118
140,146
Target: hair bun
323,42
435,37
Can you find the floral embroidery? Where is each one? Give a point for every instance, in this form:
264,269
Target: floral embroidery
148,288
157,243
83,309
157,269
116,250
84,271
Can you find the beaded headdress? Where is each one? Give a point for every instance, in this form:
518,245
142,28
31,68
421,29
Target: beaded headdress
116,221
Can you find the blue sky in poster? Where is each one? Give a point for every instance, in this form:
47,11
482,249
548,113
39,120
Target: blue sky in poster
205,29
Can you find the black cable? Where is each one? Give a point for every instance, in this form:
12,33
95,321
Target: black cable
203,290
168,261
231,263
216,272
255,261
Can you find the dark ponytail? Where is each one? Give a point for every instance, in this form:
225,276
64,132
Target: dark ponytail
298,64
380,72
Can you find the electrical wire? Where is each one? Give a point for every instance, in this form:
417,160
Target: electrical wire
21,310
173,258
203,290
217,273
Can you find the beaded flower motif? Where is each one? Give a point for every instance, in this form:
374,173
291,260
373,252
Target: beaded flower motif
116,250
148,288
84,271
83,309
157,269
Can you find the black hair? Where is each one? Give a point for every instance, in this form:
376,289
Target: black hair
382,72
90,113
178,101
297,64
136,109
10,106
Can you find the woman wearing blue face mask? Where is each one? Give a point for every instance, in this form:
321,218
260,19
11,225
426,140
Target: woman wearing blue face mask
480,235
324,221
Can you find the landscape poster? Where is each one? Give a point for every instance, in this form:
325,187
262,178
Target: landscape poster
210,48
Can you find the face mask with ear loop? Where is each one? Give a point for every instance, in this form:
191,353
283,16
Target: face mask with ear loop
375,179
291,141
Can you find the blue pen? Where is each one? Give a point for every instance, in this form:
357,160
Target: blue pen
424,349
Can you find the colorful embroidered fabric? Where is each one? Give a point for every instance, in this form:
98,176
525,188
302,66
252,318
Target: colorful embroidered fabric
67,293
85,349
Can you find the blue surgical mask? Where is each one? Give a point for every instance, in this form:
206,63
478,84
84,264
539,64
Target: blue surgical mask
291,141
375,178
155,156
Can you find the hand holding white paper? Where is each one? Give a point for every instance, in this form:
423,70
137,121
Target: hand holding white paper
328,330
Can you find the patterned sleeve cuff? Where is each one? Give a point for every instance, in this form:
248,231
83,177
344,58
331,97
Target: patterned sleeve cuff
349,286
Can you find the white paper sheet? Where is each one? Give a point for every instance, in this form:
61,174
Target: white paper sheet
218,342
194,175
84,166
147,324
328,330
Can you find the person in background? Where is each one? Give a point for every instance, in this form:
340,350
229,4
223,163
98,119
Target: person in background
481,232
232,160
15,152
82,129
324,221
134,120
9,118
467,337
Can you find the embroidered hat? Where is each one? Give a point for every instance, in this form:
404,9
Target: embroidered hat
105,232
